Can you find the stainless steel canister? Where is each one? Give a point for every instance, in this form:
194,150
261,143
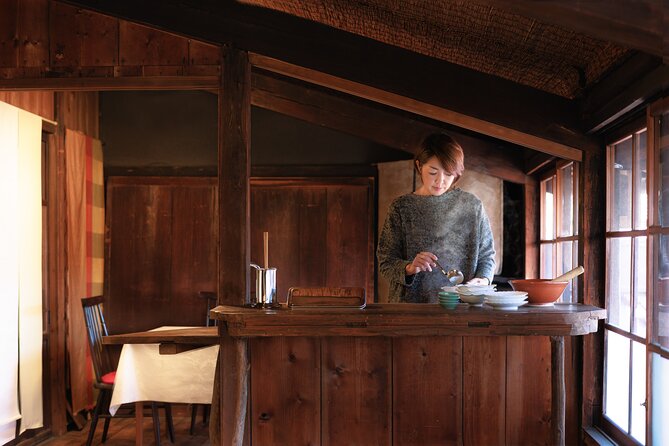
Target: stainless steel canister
265,288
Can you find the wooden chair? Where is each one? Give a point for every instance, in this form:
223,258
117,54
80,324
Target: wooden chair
105,373
212,299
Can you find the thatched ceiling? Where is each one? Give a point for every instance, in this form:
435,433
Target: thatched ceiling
478,36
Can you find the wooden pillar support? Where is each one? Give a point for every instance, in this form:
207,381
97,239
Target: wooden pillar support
234,168
558,391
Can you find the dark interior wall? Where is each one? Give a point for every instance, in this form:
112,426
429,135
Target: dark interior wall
177,131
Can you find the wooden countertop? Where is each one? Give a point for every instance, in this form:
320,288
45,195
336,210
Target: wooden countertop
410,320
192,335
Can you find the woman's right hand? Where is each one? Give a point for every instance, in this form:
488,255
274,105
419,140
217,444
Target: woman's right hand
424,261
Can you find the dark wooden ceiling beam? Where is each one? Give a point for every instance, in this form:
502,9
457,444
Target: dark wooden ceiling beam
434,84
638,24
536,162
616,100
378,124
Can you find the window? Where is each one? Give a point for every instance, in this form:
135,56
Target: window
559,216
637,291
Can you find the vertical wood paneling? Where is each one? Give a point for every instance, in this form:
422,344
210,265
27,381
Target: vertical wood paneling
141,45
285,391
203,54
194,251
138,285
347,241
313,237
99,39
38,102
64,41
528,390
275,210
484,390
33,34
356,391
427,391
79,110
9,33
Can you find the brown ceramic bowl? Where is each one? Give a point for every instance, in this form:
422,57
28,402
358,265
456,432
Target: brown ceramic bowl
539,291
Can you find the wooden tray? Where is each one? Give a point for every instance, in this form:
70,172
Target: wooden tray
326,297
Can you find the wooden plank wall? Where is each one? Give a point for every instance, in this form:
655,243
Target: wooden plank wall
402,391
321,231
160,285
43,38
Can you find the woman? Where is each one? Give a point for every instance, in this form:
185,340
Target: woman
437,222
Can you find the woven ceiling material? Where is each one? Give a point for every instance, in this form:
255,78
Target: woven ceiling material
482,38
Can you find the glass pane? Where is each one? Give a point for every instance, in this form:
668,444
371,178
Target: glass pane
638,428
639,327
616,382
567,262
663,177
660,400
548,217
567,200
661,335
640,185
620,208
618,280
547,257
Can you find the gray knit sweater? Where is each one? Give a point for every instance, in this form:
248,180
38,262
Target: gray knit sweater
453,226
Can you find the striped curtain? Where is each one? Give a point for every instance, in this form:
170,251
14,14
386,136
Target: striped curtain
85,253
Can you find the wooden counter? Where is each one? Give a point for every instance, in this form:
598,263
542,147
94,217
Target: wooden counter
395,374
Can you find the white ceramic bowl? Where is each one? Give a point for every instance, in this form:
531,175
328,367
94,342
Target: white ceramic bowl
471,299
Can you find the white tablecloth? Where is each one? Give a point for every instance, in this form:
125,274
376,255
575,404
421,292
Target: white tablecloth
143,374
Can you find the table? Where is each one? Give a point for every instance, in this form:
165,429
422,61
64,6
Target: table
239,324
150,369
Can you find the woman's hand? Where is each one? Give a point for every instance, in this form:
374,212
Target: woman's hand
424,261
479,281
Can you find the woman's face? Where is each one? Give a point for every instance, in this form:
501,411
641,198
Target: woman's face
435,179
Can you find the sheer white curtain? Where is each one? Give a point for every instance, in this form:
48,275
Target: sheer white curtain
20,271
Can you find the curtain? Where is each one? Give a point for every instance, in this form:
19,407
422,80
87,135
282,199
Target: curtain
20,271
85,248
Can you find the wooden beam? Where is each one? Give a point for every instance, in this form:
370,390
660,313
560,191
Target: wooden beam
592,255
417,107
111,83
620,99
536,161
381,125
234,167
434,88
639,24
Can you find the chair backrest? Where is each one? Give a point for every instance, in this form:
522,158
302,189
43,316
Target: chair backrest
96,328
211,303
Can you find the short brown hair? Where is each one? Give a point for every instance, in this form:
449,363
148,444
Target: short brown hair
447,150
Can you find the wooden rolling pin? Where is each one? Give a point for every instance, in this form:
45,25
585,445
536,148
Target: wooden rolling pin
569,275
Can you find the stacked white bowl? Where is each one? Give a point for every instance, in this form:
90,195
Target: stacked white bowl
474,295
506,300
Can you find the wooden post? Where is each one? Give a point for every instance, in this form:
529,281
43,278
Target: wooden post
592,255
558,391
234,167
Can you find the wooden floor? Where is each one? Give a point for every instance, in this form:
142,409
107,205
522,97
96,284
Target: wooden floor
122,432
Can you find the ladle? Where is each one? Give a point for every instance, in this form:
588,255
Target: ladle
569,275
455,277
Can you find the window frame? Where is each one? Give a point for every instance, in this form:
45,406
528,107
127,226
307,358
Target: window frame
554,173
652,233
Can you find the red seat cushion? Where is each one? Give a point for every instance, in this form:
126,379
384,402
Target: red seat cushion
109,378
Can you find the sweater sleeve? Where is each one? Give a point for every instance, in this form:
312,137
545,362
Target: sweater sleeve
391,249
485,266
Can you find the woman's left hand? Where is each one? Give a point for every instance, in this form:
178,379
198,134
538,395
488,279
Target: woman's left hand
478,281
